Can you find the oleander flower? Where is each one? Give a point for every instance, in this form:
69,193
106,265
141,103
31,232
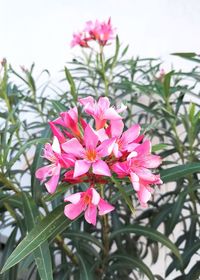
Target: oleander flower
89,202
126,141
69,122
91,154
80,39
101,110
136,167
58,160
102,32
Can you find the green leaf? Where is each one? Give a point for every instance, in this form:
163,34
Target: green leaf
149,233
49,227
134,262
166,84
37,162
186,256
83,236
190,56
177,172
158,147
72,85
175,212
42,253
23,148
124,195
194,273
185,55
59,107
116,52
85,273
9,247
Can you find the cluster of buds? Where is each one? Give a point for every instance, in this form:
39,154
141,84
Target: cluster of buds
95,154
101,32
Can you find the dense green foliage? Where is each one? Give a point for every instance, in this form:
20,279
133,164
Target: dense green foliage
42,243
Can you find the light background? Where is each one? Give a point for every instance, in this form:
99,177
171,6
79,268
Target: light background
40,31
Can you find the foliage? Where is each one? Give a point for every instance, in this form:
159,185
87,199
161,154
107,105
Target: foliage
43,243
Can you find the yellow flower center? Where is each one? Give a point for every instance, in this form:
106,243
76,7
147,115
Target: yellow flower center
87,199
91,155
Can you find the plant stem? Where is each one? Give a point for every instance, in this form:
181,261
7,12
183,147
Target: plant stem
8,183
105,237
103,70
66,249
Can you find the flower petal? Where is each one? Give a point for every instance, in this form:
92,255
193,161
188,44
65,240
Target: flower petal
143,195
81,167
73,147
121,168
104,207
135,181
53,182
111,114
144,148
116,128
90,138
151,161
103,103
56,145
102,135
101,168
56,132
146,175
106,147
95,197
44,172
91,214
131,134
73,198
72,211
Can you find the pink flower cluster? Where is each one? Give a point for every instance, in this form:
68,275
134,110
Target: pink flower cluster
101,32
94,155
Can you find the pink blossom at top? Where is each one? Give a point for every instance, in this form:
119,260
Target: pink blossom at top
88,201
101,110
137,168
80,39
91,155
100,31
58,160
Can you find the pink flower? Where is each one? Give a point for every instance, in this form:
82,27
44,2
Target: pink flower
100,31
101,110
80,39
58,160
70,122
91,155
126,141
137,168
88,201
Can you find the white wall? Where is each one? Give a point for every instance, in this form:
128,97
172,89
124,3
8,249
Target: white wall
41,30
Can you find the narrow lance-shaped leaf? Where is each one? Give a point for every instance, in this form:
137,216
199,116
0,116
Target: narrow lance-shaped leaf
177,172
85,273
23,148
72,84
132,262
42,253
151,234
49,227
